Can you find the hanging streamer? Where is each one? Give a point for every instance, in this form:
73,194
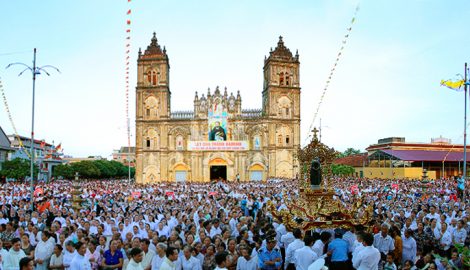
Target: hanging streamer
332,71
127,54
7,109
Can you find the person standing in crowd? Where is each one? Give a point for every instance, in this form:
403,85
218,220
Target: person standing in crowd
57,258
14,255
69,254
369,257
246,261
26,263
269,257
188,262
112,258
148,254
221,261
80,262
159,257
319,245
383,242
43,252
171,258
409,247
136,256
338,252
291,248
305,256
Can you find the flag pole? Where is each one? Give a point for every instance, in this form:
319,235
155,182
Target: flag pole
465,133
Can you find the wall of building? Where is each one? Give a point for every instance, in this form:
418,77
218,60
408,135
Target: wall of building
394,173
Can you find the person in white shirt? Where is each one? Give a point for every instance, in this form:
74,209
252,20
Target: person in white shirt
369,257
57,258
384,242
246,261
135,263
14,255
305,256
188,262
215,229
149,254
80,262
43,252
446,239
292,247
169,262
320,243
350,237
159,257
409,247
69,254
460,234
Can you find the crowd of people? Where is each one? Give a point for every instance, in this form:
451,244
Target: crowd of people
125,226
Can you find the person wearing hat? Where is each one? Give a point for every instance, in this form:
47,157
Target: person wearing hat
269,257
338,251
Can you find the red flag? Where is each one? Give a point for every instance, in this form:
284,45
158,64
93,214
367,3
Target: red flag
43,144
128,22
395,186
58,147
128,30
128,12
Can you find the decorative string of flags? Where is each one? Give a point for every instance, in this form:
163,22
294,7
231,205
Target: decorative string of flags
127,49
7,109
332,72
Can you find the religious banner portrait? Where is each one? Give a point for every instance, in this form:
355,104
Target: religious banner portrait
217,118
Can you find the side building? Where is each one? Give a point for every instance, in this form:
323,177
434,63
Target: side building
217,138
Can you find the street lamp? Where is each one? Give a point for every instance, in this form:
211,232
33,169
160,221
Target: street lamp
35,71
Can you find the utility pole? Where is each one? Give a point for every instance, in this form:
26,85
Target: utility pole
35,71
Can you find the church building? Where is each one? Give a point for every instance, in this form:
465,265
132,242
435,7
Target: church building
217,138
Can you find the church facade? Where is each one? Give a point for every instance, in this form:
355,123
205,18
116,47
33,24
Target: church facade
217,138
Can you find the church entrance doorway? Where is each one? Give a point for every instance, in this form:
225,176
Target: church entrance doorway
218,171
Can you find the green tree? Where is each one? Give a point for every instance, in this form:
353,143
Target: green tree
63,170
350,152
341,170
18,168
86,169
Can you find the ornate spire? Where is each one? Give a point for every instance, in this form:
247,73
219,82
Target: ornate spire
208,91
281,51
196,97
225,91
154,48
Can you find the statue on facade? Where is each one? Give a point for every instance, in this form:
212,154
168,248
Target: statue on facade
315,174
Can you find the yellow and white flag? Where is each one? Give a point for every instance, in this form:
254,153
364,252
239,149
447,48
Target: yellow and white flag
454,85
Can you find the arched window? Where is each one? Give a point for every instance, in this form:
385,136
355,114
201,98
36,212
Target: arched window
148,143
279,139
152,77
147,112
287,139
281,78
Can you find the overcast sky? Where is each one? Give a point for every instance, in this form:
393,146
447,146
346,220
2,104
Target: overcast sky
386,84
